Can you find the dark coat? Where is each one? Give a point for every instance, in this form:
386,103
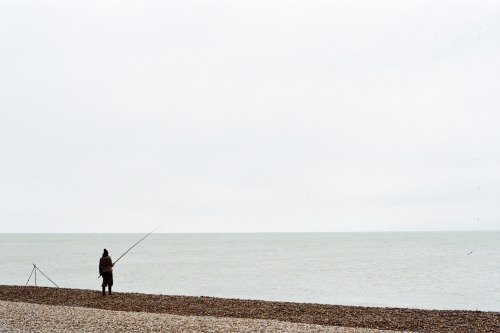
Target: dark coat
105,265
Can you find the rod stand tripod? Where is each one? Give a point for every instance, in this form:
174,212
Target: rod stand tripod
35,268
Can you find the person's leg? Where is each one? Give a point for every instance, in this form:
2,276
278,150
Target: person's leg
110,282
105,282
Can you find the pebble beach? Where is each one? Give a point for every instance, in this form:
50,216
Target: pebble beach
42,309
26,317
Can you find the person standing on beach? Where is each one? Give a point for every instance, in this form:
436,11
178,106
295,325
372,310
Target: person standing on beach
106,270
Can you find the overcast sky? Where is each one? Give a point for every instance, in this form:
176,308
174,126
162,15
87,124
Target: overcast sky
237,116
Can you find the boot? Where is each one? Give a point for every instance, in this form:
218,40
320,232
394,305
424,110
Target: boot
109,289
103,291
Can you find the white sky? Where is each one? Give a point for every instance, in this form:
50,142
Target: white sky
229,116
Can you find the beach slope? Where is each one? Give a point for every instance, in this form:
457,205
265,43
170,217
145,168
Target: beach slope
68,309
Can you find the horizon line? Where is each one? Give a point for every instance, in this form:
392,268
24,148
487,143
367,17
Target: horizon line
258,232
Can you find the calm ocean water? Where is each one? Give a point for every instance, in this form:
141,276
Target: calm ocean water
432,270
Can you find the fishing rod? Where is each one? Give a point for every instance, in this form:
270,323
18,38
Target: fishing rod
140,240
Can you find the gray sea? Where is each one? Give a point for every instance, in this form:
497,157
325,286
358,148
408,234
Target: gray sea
429,270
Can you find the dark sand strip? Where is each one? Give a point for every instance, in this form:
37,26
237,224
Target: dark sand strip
328,315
